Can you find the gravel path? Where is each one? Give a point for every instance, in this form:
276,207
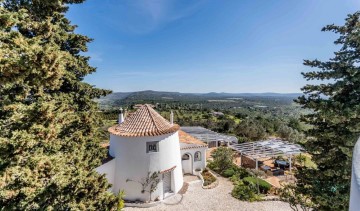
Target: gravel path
218,198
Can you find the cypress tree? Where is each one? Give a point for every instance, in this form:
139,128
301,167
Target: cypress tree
49,139
335,120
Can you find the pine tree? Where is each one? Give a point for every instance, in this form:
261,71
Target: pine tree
335,120
49,139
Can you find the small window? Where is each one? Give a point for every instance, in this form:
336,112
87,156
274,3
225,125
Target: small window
152,146
197,156
185,157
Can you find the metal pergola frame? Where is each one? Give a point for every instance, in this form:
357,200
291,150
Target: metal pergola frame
207,135
261,149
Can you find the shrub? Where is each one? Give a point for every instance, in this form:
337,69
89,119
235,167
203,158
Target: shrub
211,165
208,177
223,159
243,139
236,170
121,202
228,172
242,172
245,192
263,185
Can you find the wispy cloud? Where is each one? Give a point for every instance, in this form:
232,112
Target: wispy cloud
95,56
144,16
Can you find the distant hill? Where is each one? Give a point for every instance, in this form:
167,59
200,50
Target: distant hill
265,94
227,99
176,95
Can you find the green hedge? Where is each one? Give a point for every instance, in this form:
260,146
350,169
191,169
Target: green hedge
263,185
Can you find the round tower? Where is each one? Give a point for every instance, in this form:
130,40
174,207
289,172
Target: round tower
144,144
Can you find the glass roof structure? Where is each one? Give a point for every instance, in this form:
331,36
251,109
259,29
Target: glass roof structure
207,135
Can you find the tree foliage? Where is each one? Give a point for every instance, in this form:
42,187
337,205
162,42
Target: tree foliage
222,159
49,138
335,120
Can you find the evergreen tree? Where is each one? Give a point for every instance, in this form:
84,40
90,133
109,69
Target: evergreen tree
49,139
335,120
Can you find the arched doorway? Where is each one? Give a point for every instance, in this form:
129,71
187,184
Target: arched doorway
187,162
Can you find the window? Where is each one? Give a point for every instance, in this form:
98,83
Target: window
185,157
197,156
152,146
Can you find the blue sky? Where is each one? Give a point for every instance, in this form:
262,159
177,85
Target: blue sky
206,45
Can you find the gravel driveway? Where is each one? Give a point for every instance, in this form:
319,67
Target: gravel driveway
218,198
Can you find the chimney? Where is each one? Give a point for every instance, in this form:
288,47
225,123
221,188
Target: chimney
171,117
121,116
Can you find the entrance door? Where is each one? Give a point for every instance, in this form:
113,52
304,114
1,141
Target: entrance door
167,182
186,162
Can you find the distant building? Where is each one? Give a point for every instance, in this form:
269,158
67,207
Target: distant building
216,113
146,142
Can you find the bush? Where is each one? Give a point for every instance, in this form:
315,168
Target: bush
228,172
222,159
243,140
245,192
236,170
211,165
264,186
242,172
235,179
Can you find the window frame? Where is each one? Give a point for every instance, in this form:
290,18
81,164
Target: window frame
150,143
197,158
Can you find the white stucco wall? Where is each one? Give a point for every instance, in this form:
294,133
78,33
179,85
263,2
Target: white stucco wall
355,179
111,146
195,164
133,162
109,170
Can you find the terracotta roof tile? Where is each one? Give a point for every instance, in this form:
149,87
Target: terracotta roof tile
193,147
144,122
188,139
167,170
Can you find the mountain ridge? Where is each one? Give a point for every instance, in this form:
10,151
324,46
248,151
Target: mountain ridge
122,95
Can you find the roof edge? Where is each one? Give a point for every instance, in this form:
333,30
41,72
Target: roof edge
173,129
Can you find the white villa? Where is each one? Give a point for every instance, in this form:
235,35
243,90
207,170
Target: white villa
144,143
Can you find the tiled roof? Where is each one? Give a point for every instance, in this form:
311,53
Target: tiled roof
193,147
167,170
144,122
188,139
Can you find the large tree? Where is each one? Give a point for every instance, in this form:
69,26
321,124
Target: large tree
49,139
335,120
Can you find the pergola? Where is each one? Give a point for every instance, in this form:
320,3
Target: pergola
208,136
269,148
